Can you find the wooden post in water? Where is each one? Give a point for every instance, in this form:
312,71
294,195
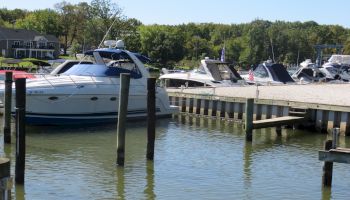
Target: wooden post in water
122,112
327,167
248,123
7,108
5,178
20,129
335,137
151,117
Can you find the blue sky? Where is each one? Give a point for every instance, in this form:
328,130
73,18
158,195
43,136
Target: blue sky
217,11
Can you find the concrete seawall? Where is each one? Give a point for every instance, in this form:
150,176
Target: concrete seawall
328,104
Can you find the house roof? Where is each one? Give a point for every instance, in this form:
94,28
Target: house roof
23,34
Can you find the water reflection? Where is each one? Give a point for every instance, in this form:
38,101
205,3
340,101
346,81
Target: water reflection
19,192
120,183
247,164
326,193
149,189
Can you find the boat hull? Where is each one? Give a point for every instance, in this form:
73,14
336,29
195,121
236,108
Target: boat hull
95,102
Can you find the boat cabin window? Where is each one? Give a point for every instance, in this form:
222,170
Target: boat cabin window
261,72
332,70
65,66
187,83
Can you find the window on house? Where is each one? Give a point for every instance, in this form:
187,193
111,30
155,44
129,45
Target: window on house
16,43
29,44
42,45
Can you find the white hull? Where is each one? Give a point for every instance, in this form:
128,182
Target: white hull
64,100
89,93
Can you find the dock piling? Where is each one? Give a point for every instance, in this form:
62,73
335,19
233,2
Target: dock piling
20,129
327,167
122,112
7,108
248,123
151,117
335,137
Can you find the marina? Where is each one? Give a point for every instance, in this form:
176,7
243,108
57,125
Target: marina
198,108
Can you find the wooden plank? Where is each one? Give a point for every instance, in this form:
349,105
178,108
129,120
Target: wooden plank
334,156
339,149
276,121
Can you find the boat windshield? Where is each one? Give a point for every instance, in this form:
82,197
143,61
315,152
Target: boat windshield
112,65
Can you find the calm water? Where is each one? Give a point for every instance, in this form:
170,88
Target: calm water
194,159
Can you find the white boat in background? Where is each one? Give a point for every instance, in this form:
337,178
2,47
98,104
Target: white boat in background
308,72
268,73
210,73
337,68
89,93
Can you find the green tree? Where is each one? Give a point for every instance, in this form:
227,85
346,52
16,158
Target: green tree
44,21
163,44
72,21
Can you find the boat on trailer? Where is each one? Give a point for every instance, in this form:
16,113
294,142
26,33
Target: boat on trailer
89,93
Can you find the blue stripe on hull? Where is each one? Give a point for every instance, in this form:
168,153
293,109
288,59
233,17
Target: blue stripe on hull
71,119
67,121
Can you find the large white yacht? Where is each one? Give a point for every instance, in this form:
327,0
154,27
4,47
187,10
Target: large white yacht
89,93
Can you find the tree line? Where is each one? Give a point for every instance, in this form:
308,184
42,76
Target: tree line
82,26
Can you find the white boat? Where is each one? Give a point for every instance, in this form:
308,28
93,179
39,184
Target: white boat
337,68
308,72
268,73
210,73
89,93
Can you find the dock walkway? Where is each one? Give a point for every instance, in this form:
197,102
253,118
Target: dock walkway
329,104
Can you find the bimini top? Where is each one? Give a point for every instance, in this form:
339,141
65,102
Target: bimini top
108,63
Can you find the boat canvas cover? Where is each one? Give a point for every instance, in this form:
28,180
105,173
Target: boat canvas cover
215,72
279,73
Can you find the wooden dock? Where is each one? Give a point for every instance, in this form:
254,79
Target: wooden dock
339,155
278,121
328,104
332,153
